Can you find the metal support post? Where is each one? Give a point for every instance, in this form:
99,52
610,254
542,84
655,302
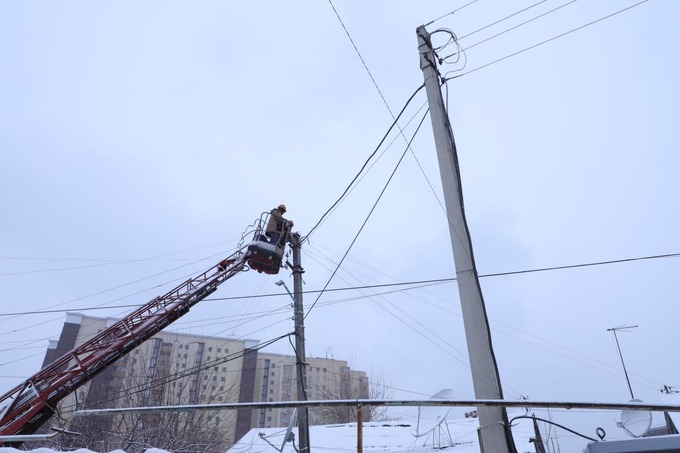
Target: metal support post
624,328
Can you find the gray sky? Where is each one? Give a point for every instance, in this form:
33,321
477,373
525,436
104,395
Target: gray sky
138,142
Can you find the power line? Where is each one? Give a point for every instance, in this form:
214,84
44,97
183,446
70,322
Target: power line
403,321
384,285
401,130
100,262
382,192
550,39
450,13
574,266
364,165
361,58
503,19
188,372
519,25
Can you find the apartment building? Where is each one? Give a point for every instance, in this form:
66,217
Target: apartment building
175,368
327,379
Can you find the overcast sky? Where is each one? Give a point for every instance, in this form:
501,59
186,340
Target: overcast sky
139,140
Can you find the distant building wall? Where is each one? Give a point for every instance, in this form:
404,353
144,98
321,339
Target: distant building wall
174,368
326,379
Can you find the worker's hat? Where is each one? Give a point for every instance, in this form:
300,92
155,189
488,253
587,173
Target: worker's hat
282,207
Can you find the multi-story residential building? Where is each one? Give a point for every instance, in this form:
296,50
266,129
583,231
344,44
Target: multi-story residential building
326,379
175,368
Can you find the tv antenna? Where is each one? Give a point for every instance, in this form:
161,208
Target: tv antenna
625,329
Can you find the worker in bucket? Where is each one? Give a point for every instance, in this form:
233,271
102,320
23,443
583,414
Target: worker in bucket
277,225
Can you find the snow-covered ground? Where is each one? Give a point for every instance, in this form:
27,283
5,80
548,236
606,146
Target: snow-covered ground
392,436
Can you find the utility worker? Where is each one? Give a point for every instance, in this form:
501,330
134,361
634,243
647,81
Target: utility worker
277,225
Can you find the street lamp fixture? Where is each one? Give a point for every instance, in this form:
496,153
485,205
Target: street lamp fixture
282,283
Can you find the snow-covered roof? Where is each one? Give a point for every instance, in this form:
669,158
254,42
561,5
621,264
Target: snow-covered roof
392,436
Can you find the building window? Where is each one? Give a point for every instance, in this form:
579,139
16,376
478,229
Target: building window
210,349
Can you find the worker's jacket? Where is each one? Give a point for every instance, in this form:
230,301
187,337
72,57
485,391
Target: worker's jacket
276,224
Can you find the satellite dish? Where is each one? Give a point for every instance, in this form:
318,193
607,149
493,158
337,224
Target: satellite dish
635,422
430,417
289,437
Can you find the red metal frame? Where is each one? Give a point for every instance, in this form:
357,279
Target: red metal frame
27,406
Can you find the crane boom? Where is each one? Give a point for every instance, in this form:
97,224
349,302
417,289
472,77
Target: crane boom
27,406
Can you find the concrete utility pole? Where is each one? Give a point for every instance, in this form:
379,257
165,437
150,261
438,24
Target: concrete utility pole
301,360
494,431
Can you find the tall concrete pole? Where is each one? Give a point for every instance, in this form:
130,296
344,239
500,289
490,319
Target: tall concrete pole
300,357
495,434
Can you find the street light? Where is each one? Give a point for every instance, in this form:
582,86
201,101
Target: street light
282,283
614,329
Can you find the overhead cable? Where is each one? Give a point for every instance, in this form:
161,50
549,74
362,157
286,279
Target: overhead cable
549,40
519,25
450,13
365,164
382,192
503,19
383,285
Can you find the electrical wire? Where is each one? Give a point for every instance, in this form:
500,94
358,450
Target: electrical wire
311,231
370,212
450,13
503,19
384,285
401,130
520,25
182,374
101,262
363,62
550,422
370,167
551,347
550,39
420,332
132,283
